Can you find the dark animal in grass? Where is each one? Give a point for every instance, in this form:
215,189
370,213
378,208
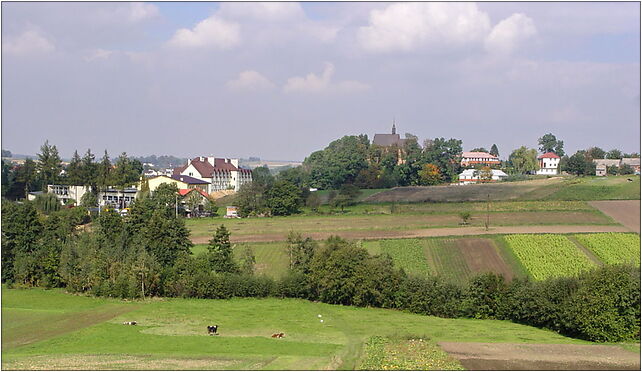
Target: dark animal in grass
278,335
129,323
212,330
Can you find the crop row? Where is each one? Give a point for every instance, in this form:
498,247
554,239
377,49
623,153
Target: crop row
613,248
546,256
407,254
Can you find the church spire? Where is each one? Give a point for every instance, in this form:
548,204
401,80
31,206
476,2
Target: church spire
394,129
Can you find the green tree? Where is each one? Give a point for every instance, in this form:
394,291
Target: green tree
250,199
47,203
626,169
283,199
221,253
247,261
614,154
26,177
165,237
313,201
21,229
297,176
524,160
74,171
550,143
89,169
339,163
6,153
494,150
578,164
49,164
595,153
104,178
429,175
346,197
480,149
445,154
126,171
262,176
300,251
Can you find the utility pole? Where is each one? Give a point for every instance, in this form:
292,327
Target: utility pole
488,212
176,205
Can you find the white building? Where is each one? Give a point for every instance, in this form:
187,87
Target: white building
221,173
470,176
472,158
112,197
548,164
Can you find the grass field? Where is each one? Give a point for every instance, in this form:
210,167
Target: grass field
254,227
557,188
406,354
171,333
271,258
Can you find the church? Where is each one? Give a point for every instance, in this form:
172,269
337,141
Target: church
386,140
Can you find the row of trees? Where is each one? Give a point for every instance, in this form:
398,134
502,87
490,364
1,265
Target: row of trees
148,254
18,181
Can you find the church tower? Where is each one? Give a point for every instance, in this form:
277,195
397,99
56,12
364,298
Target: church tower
394,129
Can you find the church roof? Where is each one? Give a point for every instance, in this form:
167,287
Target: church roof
387,140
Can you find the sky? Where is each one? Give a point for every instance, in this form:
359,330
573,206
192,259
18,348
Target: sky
281,80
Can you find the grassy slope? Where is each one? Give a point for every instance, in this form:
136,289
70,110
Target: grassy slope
598,188
175,328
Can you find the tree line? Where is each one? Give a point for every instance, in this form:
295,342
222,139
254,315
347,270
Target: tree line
33,175
148,253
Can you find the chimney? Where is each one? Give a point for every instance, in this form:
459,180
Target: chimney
235,162
211,160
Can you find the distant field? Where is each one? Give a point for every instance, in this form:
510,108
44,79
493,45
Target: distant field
557,188
271,258
613,248
547,255
171,333
577,215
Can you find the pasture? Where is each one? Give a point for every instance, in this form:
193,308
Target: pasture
172,334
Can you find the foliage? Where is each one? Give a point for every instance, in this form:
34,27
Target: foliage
21,230
524,160
126,171
626,169
300,252
339,163
429,175
220,249
406,254
313,201
579,164
465,216
494,150
613,248
247,261
614,154
445,154
479,149
595,152
262,177
283,199
550,143
49,164
548,255
47,203
74,170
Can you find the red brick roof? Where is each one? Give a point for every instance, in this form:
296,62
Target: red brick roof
184,192
205,168
551,155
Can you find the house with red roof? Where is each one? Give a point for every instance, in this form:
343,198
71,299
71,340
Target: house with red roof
221,173
548,164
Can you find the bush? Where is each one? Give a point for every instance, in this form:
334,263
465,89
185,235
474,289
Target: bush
429,296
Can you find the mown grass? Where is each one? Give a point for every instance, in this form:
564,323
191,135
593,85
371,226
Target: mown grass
598,188
172,330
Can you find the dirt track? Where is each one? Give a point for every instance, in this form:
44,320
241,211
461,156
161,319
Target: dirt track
502,356
626,212
449,231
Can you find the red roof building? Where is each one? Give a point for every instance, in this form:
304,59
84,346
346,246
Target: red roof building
221,173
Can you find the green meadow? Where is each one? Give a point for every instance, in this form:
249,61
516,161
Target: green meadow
171,333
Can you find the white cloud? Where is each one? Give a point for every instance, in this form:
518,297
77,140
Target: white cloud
407,26
263,11
509,33
142,11
250,81
313,83
212,32
28,43
98,54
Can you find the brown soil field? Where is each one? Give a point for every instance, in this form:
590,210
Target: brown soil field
481,256
422,233
497,191
502,356
626,212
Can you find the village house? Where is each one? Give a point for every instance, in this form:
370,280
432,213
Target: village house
221,173
470,176
181,182
473,158
602,165
110,197
193,201
548,164
633,163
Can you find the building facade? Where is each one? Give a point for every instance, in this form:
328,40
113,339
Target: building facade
470,176
473,158
221,173
548,164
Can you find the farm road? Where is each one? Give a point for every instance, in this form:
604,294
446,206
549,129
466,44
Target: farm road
422,233
626,212
502,356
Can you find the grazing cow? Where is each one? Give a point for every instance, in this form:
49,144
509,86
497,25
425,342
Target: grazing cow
212,330
129,323
278,335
